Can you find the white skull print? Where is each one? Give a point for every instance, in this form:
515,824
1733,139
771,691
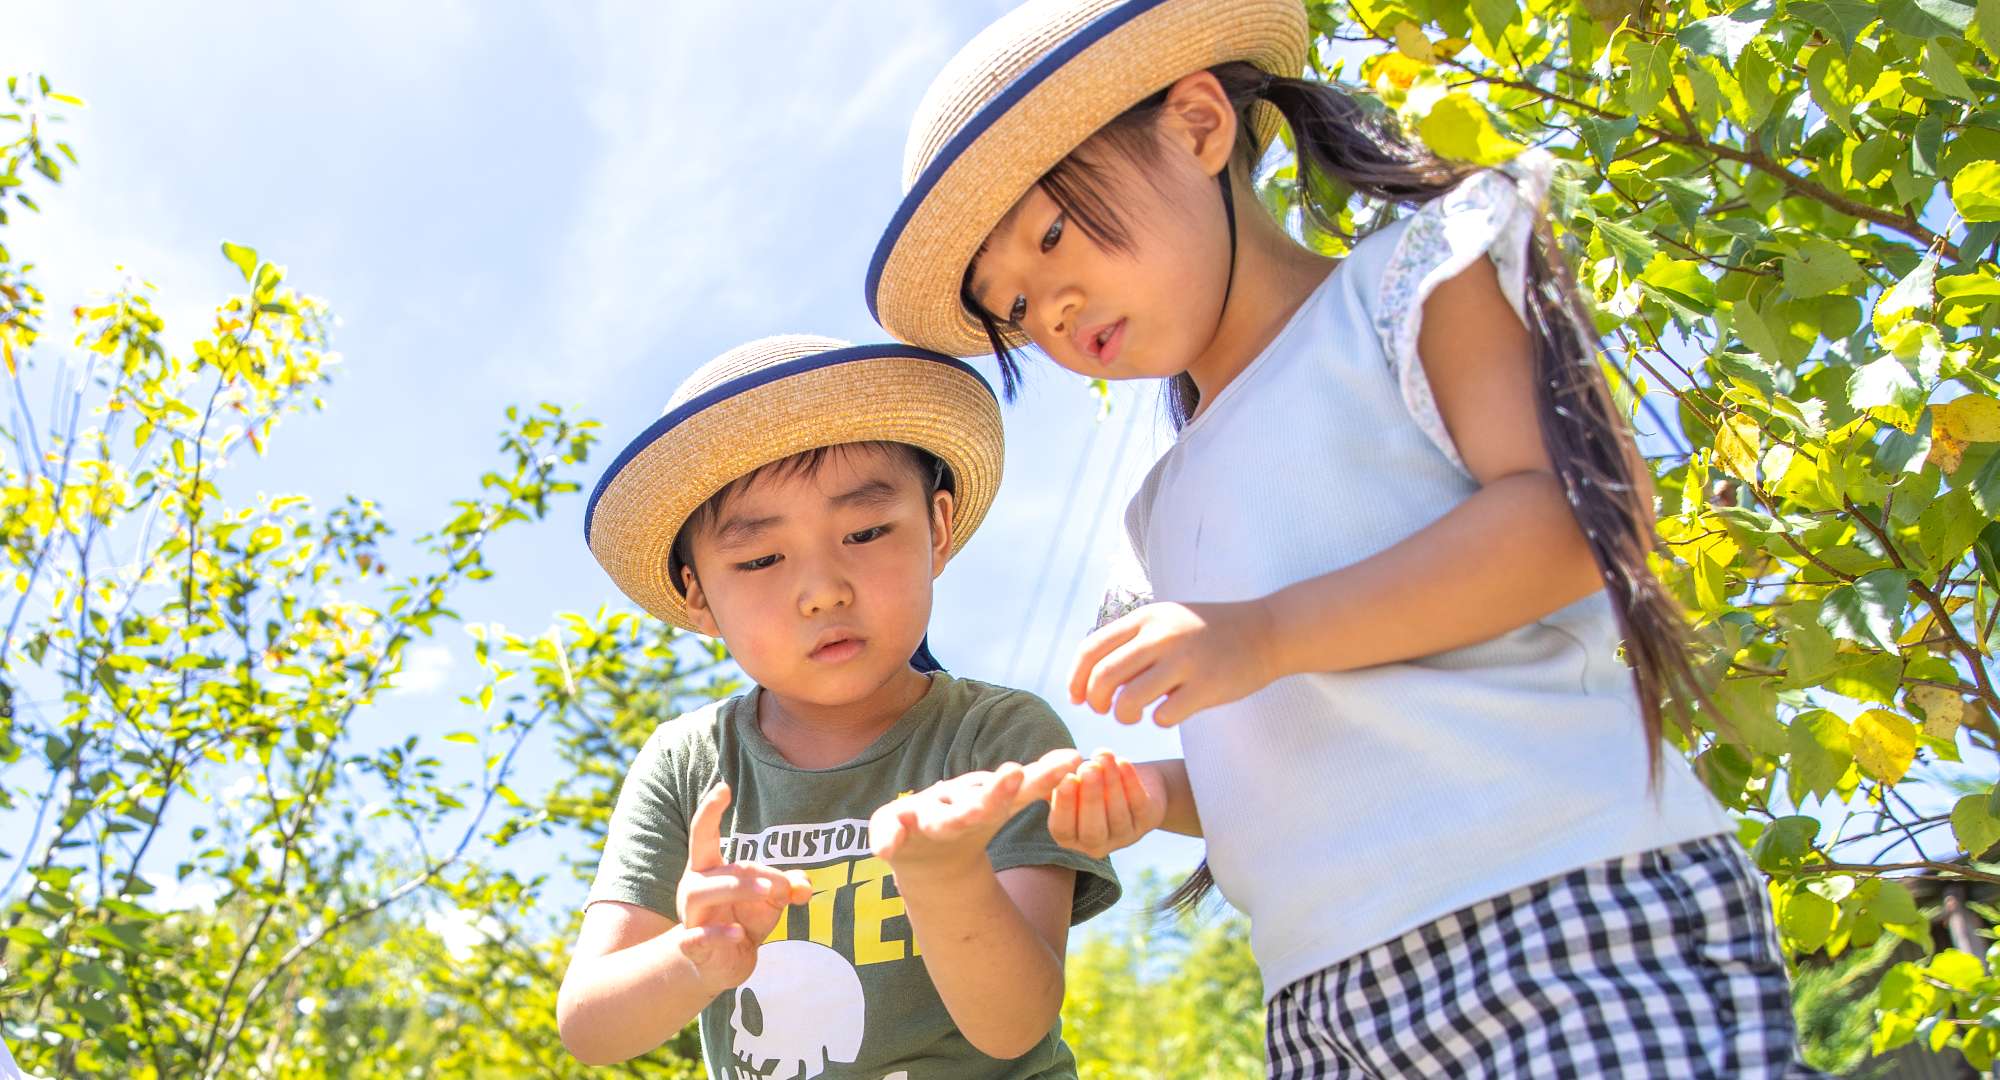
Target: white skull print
800,1010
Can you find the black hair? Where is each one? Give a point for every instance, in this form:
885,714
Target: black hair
930,470
1347,148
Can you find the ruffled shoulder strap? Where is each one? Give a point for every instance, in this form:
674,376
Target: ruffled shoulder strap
1490,213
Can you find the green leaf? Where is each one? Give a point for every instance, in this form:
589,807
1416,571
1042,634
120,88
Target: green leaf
1987,28
1984,486
1943,72
1956,969
1820,266
1885,743
1603,136
1821,753
1974,825
1808,919
1886,388
1927,18
1987,550
1894,904
1785,843
1869,610
1724,36
1634,248
244,258
1976,191
1913,293
1842,21
1869,678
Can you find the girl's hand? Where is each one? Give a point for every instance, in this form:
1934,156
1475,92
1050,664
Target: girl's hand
949,824
714,895
1107,804
1187,657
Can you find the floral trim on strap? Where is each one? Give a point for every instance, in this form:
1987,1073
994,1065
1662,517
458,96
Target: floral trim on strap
1491,213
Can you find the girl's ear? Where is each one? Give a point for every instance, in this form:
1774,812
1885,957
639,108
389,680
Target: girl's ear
697,604
1198,117
942,510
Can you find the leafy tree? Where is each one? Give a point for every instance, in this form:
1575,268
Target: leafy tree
163,640
1785,212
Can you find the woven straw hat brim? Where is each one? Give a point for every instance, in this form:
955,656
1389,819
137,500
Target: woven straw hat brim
888,393
1080,83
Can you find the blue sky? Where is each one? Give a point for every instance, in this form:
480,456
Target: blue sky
578,203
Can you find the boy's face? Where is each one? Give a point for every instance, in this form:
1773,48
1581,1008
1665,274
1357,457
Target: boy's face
820,583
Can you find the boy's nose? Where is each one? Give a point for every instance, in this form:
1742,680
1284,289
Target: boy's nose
823,593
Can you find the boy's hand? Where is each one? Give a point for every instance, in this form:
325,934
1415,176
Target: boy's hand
950,823
1107,804
1188,657
727,909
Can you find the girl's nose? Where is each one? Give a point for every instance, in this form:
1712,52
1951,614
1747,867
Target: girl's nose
1064,306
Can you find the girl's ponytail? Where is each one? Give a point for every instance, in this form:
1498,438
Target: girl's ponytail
1343,148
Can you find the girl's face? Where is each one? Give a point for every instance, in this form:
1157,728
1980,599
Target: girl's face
1145,311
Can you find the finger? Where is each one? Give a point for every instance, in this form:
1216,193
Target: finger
1178,706
1144,813
1117,809
719,890
1114,671
999,797
1062,812
889,828
1096,647
802,889
1039,780
1147,687
774,886
1045,771
705,831
1091,832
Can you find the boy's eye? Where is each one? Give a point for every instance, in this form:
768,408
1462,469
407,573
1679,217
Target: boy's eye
868,535
1054,234
1019,311
759,563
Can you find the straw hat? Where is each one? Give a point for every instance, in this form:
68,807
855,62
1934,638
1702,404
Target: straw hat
1015,101
764,402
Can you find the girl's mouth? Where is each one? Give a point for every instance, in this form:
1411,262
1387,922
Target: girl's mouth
1107,342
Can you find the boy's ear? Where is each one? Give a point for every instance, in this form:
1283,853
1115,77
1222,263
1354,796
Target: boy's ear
697,604
943,507
1199,118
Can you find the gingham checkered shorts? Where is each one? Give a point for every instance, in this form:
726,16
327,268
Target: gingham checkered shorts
1659,964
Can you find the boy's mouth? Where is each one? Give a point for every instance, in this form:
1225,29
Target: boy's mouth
835,646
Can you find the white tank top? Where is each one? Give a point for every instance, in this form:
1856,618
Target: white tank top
1343,809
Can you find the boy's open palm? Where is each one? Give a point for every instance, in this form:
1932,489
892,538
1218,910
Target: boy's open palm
728,908
952,821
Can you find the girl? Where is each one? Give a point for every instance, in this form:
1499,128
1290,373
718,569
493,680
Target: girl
1395,550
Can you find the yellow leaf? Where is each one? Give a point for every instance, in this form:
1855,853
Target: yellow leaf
7,345
1946,452
1884,744
1411,42
1393,69
1943,710
1736,447
1459,127
1972,418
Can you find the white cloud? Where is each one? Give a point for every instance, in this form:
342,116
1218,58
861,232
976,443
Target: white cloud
426,669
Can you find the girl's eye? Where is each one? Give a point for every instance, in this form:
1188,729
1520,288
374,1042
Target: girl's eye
758,564
1054,234
868,535
1018,312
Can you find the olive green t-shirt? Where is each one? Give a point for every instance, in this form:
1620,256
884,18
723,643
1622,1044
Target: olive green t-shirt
840,990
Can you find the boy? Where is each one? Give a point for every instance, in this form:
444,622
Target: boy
843,870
